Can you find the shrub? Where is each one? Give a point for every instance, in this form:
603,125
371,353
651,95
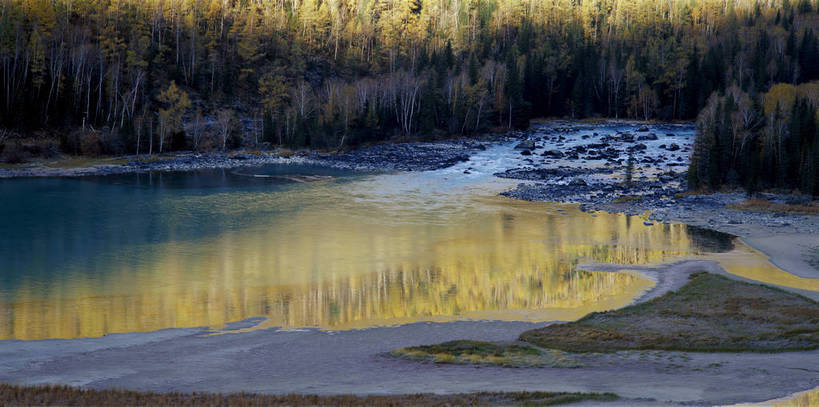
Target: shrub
14,153
90,144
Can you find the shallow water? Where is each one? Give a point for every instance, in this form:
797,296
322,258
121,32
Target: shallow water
93,256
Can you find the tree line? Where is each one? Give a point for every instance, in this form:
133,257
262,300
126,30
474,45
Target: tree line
147,76
756,143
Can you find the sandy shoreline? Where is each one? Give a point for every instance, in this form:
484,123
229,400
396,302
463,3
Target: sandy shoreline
313,361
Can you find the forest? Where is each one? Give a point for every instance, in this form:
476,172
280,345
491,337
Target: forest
770,144
150,76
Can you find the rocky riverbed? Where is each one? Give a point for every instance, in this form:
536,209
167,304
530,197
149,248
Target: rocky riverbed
587,163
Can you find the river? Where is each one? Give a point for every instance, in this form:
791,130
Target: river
306,246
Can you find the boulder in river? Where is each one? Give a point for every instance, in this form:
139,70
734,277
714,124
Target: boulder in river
525,145
638,147
648,137
643,129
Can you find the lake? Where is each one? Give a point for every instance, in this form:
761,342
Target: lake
305,246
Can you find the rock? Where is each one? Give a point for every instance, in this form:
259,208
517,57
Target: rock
642,129
578,182
552,153
525,145
673,147
648,137
525,152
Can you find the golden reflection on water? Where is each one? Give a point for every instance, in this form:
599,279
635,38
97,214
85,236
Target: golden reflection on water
345,255
807,398
804,399
747,262
353,266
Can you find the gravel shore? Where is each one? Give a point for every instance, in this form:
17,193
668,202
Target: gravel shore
410,156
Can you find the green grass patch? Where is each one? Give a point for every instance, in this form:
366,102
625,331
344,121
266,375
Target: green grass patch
486,353
11,395
710,313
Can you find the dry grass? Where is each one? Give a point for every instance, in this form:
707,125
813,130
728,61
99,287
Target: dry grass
486,353
628,198
11,395
594,120
710,313
541,120
762,205
146,158
85,162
